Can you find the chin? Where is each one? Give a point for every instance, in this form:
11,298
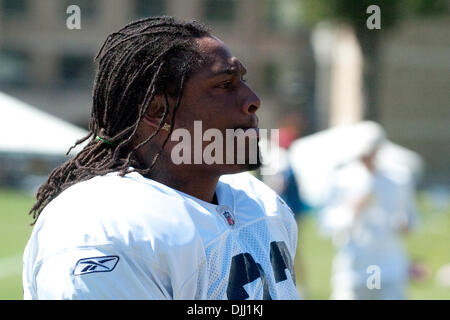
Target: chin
237,168
247,166
232,169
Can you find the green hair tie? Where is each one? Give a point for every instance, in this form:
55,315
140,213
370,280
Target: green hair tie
104,141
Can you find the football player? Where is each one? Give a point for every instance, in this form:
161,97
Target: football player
122,220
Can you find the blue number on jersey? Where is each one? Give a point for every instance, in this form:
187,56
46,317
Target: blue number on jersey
244,270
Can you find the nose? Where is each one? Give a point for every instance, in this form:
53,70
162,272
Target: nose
252,102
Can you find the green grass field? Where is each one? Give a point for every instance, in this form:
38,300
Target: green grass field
430,245
14,232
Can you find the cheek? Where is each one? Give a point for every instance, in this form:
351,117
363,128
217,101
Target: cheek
221,107
187,113
208,109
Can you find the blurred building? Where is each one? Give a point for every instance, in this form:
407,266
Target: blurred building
412,91
49,66
414,101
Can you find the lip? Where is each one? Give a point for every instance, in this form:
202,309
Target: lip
252,123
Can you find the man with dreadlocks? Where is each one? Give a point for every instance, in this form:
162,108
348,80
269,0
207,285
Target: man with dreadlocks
121,220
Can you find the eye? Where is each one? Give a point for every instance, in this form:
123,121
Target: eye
231,83
225,85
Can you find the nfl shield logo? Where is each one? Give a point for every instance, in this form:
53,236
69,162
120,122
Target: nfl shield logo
226,212
229,218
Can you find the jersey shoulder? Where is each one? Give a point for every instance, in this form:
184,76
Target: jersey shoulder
248,188
246,182
108,209
145,227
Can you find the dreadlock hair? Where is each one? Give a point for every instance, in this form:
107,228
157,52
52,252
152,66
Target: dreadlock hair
148,57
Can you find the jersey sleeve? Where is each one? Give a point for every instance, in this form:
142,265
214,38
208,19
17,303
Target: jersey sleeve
98,273
108,273
290,225
144,247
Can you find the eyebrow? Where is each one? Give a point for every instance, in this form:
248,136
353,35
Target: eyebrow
230,69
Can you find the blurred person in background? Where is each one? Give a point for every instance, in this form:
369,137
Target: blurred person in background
367,209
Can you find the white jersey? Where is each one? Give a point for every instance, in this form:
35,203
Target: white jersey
130,237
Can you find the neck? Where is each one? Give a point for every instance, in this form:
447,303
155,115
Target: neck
190,181
202,188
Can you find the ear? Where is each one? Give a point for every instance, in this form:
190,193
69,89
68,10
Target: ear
155,112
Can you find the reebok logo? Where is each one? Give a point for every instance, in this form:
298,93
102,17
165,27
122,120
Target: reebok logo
95,264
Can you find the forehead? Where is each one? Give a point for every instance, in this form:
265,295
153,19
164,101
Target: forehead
218,58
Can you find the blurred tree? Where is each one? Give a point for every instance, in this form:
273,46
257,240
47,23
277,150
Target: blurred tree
353,13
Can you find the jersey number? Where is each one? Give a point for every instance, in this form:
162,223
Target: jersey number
244,270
